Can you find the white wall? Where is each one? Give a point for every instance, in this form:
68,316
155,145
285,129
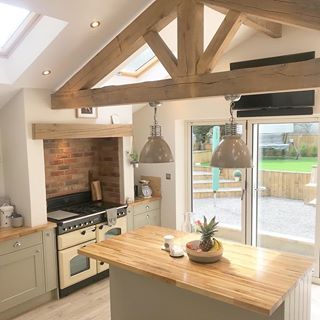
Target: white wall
15,160
23,157
173,115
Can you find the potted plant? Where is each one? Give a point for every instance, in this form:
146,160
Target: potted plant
208,249
237,174
134,158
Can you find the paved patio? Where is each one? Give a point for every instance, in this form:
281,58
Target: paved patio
284,216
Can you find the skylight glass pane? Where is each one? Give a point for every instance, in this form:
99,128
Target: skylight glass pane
139,61
10,19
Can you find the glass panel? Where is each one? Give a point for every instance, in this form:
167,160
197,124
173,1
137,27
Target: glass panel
286,186
79,264
139,61
112,233
216,192
10,19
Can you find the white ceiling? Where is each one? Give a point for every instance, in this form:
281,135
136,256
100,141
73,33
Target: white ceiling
73,42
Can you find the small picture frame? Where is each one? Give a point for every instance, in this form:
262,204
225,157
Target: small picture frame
87,112
115,119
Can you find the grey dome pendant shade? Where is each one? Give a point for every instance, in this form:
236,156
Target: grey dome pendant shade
231,152
156,149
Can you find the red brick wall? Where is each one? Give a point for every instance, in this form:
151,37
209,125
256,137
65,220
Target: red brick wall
68,161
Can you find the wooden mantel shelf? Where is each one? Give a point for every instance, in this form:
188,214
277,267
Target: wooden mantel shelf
47,131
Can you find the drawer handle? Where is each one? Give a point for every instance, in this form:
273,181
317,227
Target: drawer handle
101,263
93,230
101,227
147,207
17,245
83,232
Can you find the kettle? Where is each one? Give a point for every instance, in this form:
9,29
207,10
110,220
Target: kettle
5,215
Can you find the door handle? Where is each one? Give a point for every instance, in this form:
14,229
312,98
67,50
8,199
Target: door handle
83,232
17,244
242,194
93,230
101,227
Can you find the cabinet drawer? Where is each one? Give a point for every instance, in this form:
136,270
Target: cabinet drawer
152,205
147,218
20,243
75,237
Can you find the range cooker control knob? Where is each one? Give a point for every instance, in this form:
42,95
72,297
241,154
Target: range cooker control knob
91,221
70,228
81,224
65,229
86,223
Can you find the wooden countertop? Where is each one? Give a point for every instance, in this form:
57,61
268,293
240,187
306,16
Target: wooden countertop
13,233
139,201
252,278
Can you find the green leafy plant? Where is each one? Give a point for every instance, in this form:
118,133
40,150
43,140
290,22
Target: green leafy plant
237,173
133,157
304,150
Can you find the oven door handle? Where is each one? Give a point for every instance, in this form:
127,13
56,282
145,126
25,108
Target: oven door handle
94,229
83,232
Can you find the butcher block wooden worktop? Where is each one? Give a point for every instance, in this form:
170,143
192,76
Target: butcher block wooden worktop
254,279
13,233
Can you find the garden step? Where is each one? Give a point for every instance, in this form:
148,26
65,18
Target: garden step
223,183
222,192
200,168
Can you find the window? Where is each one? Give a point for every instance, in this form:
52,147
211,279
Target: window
139,64
15,22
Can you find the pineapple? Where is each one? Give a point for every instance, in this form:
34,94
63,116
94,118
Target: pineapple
207,233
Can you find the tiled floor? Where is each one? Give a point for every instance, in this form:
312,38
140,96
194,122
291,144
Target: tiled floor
92,303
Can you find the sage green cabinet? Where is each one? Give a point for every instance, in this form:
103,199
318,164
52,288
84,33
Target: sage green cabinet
21,276
146,214
28,268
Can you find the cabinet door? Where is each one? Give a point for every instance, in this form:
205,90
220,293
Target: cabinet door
21,276
154,217
140,220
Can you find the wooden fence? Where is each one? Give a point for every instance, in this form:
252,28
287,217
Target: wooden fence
282,184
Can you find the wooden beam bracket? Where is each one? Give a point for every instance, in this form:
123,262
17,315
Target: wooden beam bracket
220,42
163,53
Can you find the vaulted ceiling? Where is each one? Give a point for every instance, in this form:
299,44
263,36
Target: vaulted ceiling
73,42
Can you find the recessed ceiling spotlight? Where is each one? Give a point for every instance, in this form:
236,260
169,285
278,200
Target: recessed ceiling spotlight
46,72
95,24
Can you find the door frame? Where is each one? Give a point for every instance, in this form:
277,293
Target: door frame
189,169
251,194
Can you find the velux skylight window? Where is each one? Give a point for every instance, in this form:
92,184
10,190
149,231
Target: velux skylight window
15,22
139,64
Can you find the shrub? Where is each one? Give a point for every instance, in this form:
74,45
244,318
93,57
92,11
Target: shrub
314,151
304,150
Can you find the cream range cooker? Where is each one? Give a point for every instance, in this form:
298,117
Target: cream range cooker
82,222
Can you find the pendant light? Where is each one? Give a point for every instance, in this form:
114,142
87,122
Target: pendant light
231,152
156,149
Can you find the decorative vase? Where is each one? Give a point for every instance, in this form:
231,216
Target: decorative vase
186,224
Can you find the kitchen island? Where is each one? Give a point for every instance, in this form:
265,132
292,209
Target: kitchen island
247,284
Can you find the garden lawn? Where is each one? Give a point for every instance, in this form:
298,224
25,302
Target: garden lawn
303,164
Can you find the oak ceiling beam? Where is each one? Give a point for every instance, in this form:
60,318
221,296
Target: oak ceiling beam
190,36
163,53
285,77
302,13
220,41
158,15
270,28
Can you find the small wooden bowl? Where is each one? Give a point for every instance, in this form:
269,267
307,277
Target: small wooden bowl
210,256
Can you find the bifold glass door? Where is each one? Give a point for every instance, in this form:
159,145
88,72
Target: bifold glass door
285,190
216,192
273,205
